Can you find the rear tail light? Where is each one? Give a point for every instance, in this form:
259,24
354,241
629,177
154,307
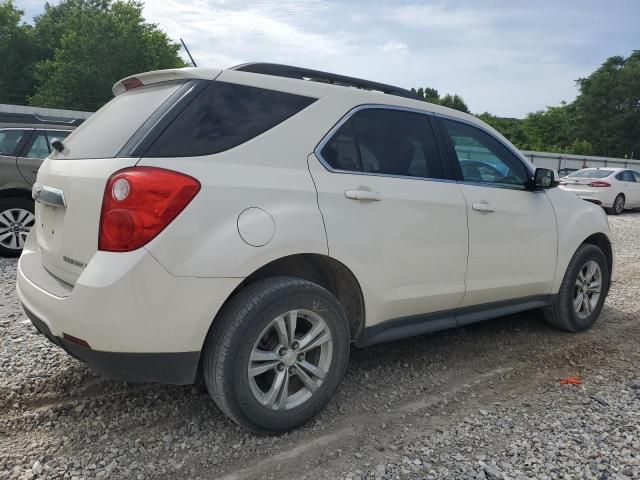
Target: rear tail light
139,203
599,183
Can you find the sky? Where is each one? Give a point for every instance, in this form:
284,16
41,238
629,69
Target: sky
507,57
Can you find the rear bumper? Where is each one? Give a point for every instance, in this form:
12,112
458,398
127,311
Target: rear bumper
178,368
141,323
602,196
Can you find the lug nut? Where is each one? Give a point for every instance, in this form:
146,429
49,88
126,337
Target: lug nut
300,357
280,367
292,370
282,352
295,345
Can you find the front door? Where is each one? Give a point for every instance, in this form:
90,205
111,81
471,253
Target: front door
512,231
390,216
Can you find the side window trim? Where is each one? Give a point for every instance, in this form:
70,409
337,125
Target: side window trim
347,116
452,158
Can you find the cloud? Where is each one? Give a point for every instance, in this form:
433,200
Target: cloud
393,46
505,57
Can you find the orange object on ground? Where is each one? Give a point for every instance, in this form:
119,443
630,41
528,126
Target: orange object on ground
571,381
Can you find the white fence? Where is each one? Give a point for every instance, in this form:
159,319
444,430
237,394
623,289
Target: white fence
558,161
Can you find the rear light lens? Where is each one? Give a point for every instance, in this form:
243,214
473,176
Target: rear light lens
599,183
139,203
131,83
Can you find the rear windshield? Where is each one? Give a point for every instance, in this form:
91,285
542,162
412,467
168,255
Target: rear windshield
107,130
591,173
223,116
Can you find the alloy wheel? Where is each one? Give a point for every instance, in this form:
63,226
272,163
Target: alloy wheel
15,225
290,359
619,204
587,289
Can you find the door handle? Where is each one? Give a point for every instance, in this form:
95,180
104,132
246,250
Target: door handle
482,207
370,195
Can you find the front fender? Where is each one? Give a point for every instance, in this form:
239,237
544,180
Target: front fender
577,220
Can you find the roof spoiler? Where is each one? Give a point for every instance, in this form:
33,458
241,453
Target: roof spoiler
158,76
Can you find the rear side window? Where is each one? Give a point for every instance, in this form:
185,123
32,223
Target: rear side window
626,176
386,142
9,140
223,116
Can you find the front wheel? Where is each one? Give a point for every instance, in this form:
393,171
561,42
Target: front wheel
276,354
16,221
583,290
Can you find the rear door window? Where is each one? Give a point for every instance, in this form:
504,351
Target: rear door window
223,116
39,147
9,141
385,142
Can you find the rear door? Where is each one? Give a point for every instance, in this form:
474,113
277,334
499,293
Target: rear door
630,188
35,151
12,141
512,231
636,186
389,214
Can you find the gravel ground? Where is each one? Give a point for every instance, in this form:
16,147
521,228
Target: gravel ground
482,401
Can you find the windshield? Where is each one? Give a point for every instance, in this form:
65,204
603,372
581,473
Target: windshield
591,173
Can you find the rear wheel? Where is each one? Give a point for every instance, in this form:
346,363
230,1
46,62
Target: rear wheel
276,354
618,205
583,291
16,221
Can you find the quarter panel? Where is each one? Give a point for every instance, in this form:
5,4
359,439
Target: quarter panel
269,172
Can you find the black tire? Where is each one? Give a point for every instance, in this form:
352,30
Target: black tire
618,205
8,208
562,314
237,328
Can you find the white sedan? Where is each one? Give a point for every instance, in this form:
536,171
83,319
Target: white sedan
613,188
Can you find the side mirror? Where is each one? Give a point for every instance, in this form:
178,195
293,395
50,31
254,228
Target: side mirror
544,178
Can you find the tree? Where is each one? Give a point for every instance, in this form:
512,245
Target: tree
97,43
608,107
431,95
512,128
552,129
18,54
454,101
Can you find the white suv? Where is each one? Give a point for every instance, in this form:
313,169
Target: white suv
251,224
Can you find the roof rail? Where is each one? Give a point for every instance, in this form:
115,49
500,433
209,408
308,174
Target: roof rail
278,70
